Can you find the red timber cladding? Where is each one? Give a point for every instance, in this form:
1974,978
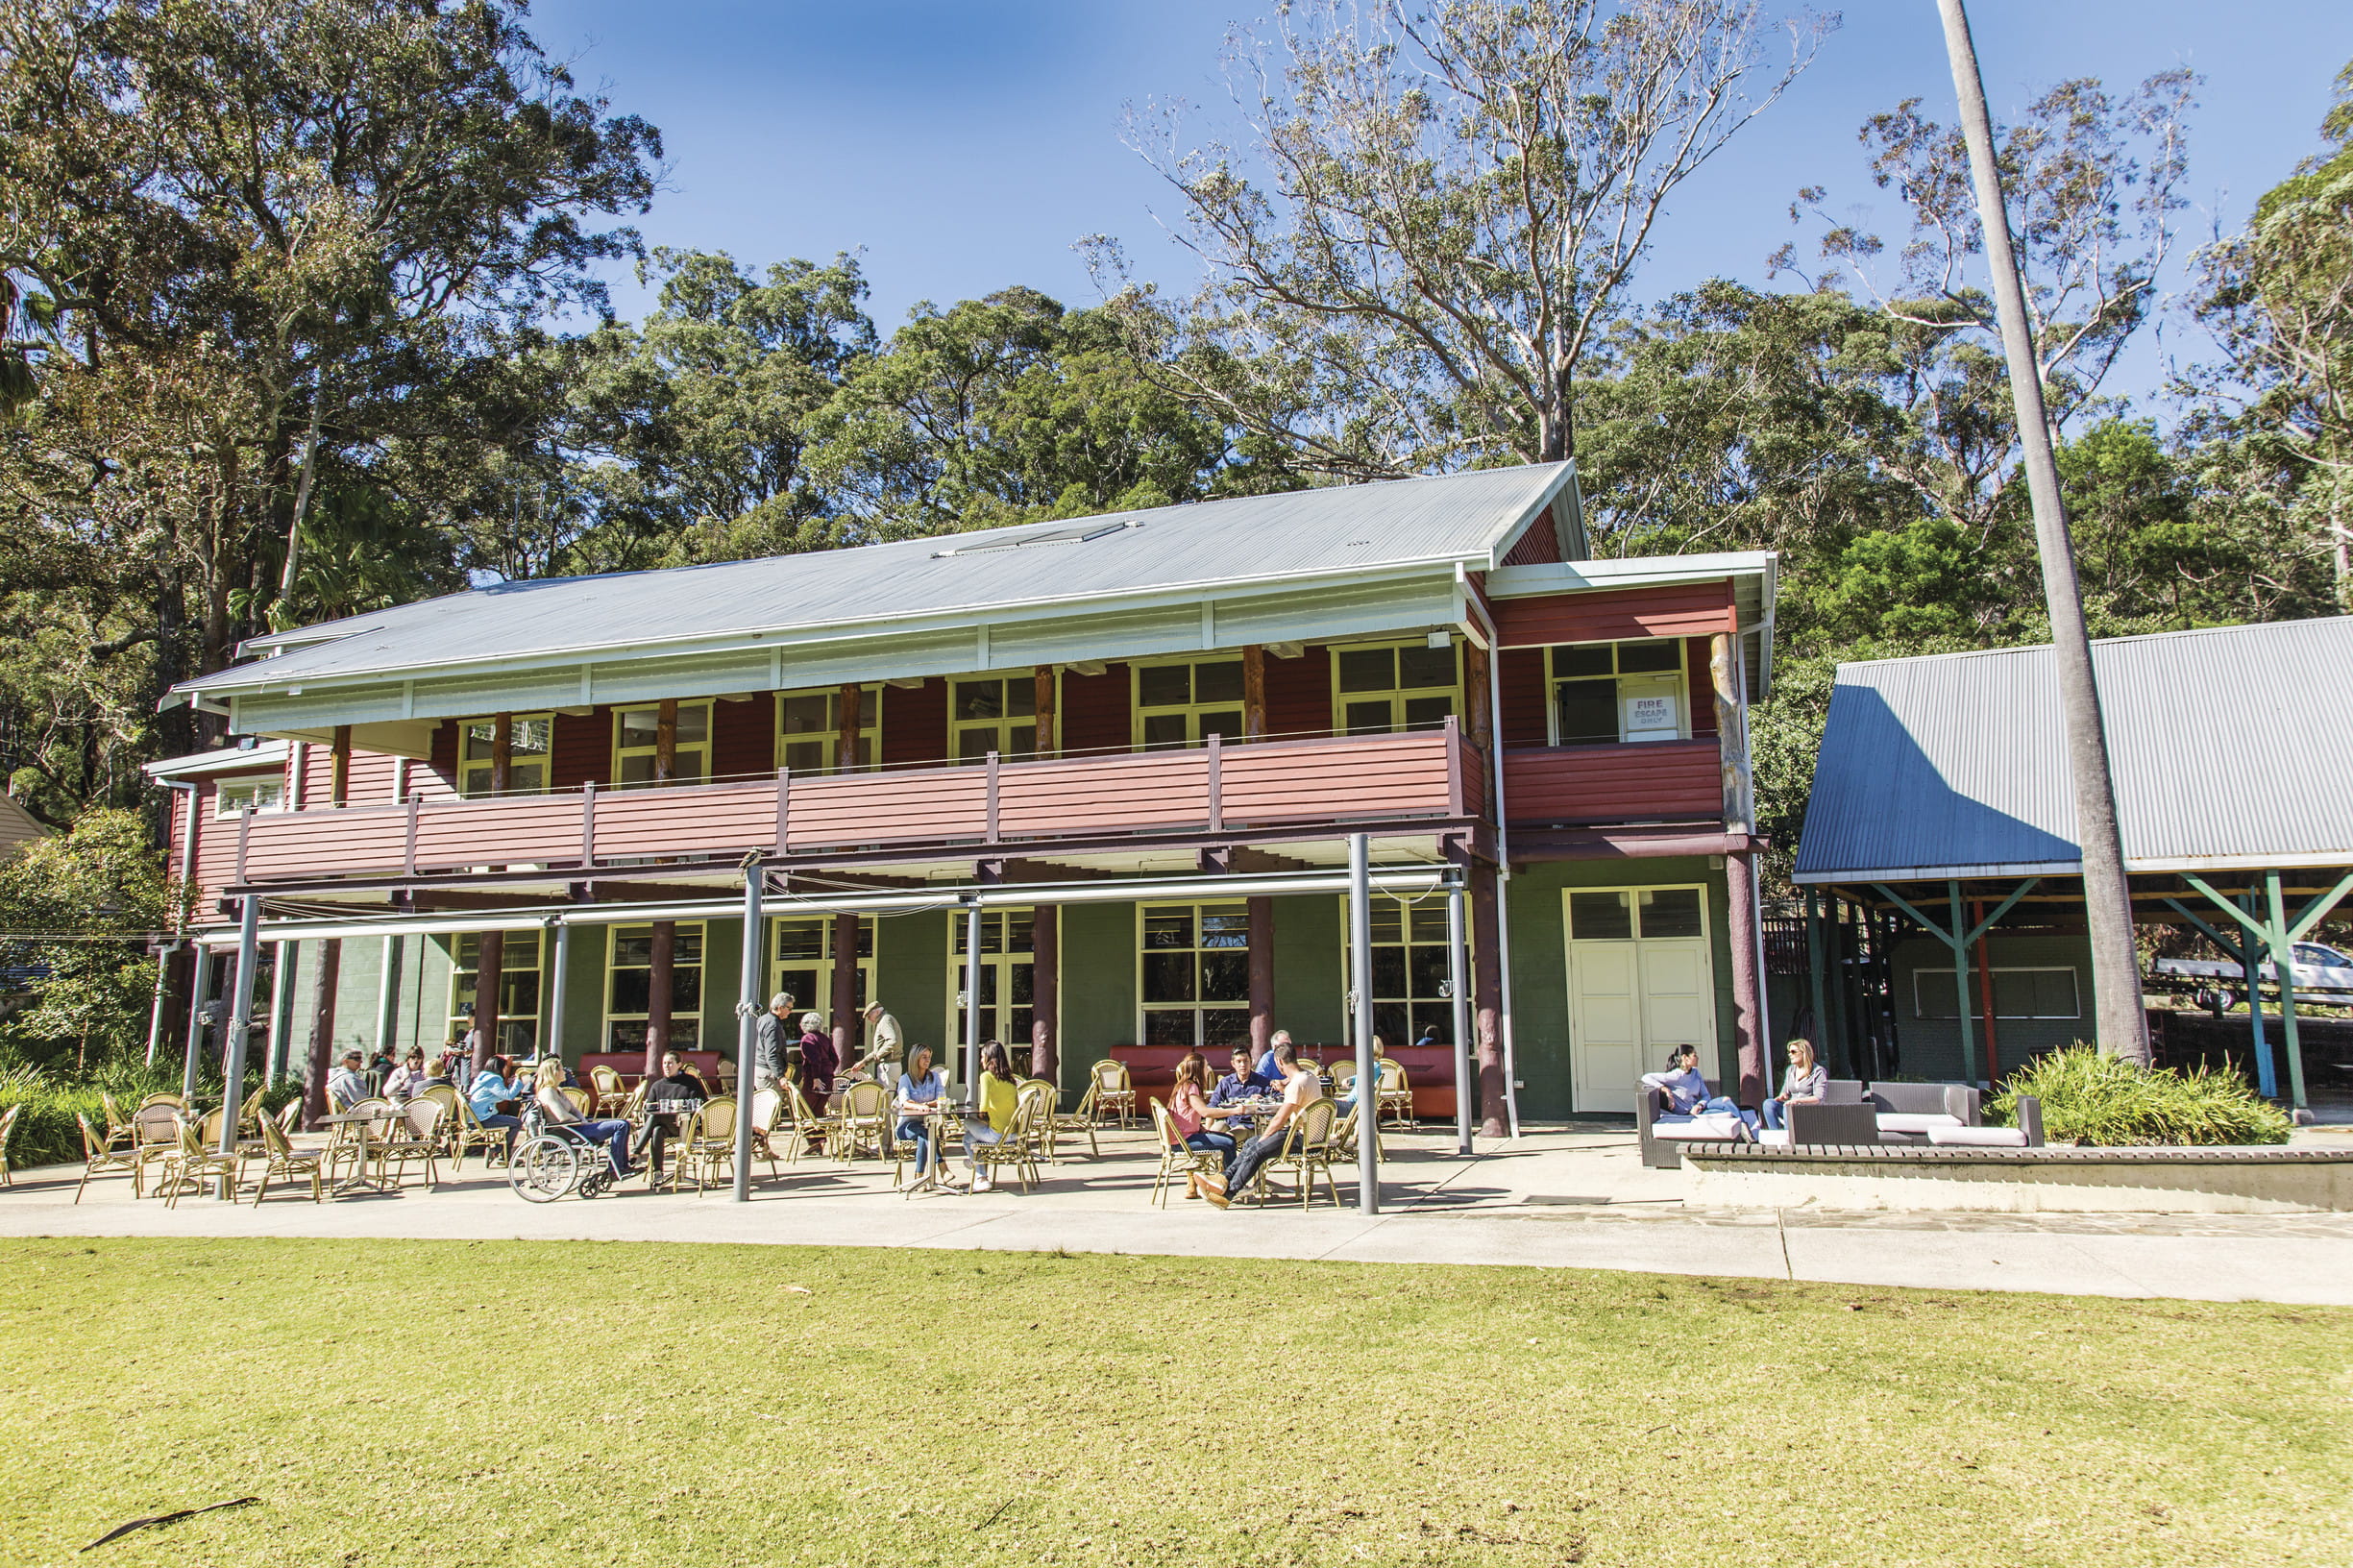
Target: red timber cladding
705,819
1520,691
216,849
1095,711
1313,780
1539,546
1657,781
905,808
442,766
1103,794
1698,672
1695,609
581,750
1299,693
915,723
744,738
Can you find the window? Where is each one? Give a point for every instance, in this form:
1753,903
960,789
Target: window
1178,706
1007,973
1410,986
529,737
2318,957
1196,980
1611,916
2018,993
630,988
249,794
518,991
993,714
803,963
1608,693
809,729
1379,691
637,744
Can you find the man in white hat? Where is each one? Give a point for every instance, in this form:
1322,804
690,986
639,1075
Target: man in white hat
885,1048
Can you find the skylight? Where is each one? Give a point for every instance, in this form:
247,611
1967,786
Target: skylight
1077,533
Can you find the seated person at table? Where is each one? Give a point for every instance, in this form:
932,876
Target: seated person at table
920,1089
1242,1083
489,1088
678,1084
817,1061
1190,1109
1348,1101
1300,1090
347,1086
996,1099
1267,1067
557,1112
1803,1081
407,1078
1685,1088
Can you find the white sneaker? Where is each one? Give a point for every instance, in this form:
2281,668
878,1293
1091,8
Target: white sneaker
981,1182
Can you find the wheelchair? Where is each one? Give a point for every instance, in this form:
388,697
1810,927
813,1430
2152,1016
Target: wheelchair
552,1159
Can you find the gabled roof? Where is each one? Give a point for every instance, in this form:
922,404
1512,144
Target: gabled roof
262,757
2230,748
1206,550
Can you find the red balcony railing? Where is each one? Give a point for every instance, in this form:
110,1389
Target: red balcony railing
1211,790
1651,782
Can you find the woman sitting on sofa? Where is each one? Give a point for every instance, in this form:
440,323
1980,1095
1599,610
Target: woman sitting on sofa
1803,1083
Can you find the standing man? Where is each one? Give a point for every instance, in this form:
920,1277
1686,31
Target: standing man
885,1049
769,1051
1300,1089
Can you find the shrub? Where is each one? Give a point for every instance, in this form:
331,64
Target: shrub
46,1133
2106,1102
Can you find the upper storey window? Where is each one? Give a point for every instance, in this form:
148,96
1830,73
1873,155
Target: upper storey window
236,799
1608,693
993,714
1181,704
639,745
809,729
530,737
1397,686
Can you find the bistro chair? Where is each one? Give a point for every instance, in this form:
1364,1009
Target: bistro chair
249,1114
1344,1132
864,1122
1115,1091
279,1158
290,1119
119,1134
1343,1079
7,1132
582,1100
1019,1147
610,1089
172,1100
465,1131
1079,1119
797,1123
413,1138
196,1158
101,1154
1394,1095
1176,1159
155,1140
705,1148
769,1111
354,1143
1307,1148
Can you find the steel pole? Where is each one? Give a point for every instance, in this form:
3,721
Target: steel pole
1459,983
552,1043
971,994
747,1029
1361,986
199,978
154,1013
282,985
240,1023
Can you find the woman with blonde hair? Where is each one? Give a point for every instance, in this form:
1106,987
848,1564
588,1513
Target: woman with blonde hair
558,1111
1804,1082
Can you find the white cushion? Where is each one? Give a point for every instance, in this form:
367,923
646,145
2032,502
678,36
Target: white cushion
1776,1138
1913,1121
1981,1138
1721,1124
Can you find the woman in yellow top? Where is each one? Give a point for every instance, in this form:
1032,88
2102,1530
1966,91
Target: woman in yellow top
993,1102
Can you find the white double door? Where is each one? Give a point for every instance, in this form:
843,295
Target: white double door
1641,982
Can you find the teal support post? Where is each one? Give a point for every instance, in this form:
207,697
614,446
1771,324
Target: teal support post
1813,969
2283,971
2243,951
1958,938
1961,1009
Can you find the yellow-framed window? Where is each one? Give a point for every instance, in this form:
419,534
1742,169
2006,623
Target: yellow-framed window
518,991
1412,1002
628,987
637,744
531,741
1182,702
801,962
993,713
1193,965
1383,688
1008,970
1609,694
809,729
234,798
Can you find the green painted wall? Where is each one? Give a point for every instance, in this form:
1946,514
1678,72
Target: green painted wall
722,978
1099,985
1311,995
584,983
1540,973
1930,1049
911,976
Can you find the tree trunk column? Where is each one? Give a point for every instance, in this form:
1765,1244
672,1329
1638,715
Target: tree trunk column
1254,693
852,705
1748,1010
321,1058
1262,976
849,1037
1049,726
661,965
1046,992
1487,1001
489,972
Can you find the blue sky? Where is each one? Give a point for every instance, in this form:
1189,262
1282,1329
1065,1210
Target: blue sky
966,146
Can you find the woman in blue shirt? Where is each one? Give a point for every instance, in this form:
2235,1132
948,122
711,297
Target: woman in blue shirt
483,1093
920,1089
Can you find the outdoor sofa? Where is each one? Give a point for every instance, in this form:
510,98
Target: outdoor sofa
1851,1113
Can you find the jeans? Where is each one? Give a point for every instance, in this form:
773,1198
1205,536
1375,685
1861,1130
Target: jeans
1254,1153
614,1134
1222,1142
1776,1115
510,1123
919,1128
977,1132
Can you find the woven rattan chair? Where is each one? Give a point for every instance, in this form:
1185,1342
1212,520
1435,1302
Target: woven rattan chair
290,1117
1307,1148
354,1142
156,1139
249,1114
582,1100
610,1090
1176,1159
864,1121
279,1158
1018,1148
99,1155
415,1139
1079,1119
1395,1096
120,1133
1114,1090
8,1133
196,1158
1344,1132
797,1127
464,1130
172,1100
704,1152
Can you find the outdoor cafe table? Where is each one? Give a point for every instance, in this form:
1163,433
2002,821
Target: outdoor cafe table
356,1121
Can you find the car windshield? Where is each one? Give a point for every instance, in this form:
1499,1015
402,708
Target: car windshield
2327,958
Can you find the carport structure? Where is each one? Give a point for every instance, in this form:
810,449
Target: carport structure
1941,799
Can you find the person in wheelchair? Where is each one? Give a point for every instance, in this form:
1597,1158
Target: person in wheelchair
557,1115
678,1093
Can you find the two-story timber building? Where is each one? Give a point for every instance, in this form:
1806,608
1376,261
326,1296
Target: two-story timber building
1135,744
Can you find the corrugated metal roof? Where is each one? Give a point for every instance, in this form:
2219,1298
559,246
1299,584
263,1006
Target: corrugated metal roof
2230,747
1209,545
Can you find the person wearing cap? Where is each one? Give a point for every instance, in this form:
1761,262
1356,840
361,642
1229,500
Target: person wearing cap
817,1061
885,1047
769,1051
347,1086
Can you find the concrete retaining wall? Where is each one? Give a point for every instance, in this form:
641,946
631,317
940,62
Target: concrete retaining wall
2055,1181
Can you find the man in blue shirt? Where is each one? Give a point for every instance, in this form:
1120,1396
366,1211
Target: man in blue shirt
1268,1073
1238,1086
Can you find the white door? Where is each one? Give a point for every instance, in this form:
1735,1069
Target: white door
1641,981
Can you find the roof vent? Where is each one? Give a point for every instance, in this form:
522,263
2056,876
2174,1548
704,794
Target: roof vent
1076,534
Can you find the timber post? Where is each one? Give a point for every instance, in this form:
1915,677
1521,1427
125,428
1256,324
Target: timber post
1045,994
1262,976
1486,999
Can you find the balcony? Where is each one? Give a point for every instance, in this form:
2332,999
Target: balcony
999,806
1656,782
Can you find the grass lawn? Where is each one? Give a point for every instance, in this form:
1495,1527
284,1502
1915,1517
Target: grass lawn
423,1404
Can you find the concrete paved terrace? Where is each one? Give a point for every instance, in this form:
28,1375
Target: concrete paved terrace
1561,1197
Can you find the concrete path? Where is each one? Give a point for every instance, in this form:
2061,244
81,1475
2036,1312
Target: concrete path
1559,1199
